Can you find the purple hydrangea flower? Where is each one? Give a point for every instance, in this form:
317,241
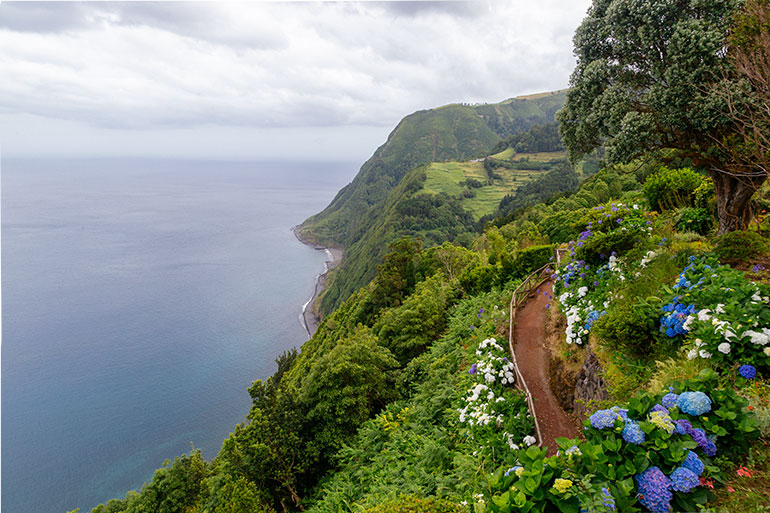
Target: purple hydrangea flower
654,490
694,403
669,400
748,371
683,427
659,407
473,369
683,479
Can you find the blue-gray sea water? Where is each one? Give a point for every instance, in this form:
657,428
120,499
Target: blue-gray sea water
140,298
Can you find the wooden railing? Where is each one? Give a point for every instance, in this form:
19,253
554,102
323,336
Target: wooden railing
518,297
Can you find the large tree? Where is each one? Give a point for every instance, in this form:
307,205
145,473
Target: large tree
652,75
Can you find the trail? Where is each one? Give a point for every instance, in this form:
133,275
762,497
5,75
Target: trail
529,339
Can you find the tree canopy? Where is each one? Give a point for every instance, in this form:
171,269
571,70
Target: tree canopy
645,81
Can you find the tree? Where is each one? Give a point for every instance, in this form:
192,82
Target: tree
749,103
644,83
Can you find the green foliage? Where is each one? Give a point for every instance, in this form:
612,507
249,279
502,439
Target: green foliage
728,316
539,138
671,188
362,217
605,465
559,180
416,505
740,246
698,220
408,330
177,487
631,326
667,47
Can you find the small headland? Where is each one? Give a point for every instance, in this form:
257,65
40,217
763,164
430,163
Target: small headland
310,317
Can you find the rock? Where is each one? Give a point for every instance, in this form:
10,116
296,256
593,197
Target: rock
590,385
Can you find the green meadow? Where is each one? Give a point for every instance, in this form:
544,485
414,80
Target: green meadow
450,178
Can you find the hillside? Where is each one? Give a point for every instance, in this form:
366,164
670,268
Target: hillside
452,132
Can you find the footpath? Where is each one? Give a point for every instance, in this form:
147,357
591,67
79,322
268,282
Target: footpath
532,358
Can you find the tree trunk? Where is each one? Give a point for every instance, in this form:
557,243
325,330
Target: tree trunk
733,195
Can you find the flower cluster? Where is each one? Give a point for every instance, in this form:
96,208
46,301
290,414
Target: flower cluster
654,490
677,318
726,315
694,403
491,409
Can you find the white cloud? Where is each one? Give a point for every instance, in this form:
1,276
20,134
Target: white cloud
148,66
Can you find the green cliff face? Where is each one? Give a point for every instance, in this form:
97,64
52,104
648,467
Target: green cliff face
362,213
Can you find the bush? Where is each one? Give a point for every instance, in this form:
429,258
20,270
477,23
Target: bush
698,220
739,245
671,188
630,326
416,505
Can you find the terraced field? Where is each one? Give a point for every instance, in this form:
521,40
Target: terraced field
450,177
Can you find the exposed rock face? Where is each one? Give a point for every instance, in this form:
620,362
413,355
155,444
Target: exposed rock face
590,385
563,381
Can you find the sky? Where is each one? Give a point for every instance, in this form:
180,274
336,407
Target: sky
262,80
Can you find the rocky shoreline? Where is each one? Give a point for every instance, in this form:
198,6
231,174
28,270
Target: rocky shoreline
310,316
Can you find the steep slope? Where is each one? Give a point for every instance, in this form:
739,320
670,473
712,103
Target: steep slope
452,132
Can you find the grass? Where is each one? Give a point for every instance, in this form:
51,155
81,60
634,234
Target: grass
448,177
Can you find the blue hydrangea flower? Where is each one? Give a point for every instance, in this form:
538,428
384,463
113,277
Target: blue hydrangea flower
747,371
654,490
694,403
683,427
603,419
608,500
623,414
683,479
669,400
694,463
659,407
633,434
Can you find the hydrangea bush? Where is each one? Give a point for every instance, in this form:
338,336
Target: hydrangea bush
719,314
584,285
648,455
493,413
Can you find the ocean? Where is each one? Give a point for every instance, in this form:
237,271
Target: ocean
140,298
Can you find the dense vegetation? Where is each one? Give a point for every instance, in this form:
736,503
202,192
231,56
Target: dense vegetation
452,132
404,400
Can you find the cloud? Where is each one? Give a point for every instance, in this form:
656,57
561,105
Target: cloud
142,66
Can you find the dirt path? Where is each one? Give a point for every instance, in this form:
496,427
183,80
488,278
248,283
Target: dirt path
529,334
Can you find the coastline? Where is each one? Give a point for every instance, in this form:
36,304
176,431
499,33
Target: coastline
309,317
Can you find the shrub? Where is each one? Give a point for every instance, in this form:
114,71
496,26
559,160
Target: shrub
671,188
698,220
409,504
630,326
739,245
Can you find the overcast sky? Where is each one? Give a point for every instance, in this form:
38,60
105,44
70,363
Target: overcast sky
268,80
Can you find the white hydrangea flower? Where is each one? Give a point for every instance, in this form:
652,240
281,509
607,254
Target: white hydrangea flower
692,353
720,309
724,347
767,351
704,315
760,339
704,354
530,440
